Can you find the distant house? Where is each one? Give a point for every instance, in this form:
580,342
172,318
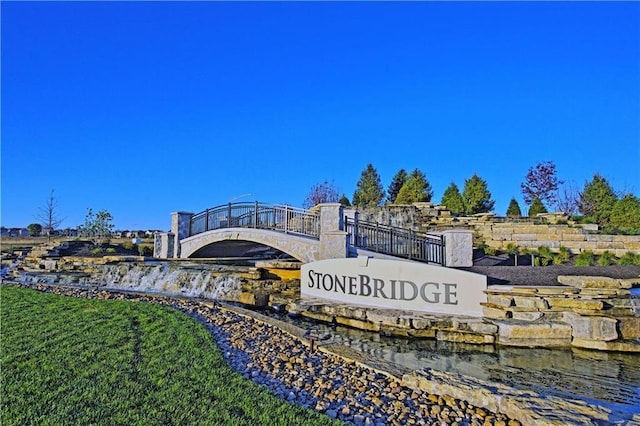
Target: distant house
68,232
14,232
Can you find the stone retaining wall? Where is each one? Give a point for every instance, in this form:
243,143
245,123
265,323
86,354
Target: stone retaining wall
553,230
585,312
576,239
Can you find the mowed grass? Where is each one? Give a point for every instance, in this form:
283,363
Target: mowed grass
78,361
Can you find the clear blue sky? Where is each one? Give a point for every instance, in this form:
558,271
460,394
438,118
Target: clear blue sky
152,107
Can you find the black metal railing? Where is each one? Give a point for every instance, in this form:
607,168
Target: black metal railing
395,241
280,218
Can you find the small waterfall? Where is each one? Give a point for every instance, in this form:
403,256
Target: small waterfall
635,305
635,301
204,282
220,282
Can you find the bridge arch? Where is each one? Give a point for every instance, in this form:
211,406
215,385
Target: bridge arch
302,248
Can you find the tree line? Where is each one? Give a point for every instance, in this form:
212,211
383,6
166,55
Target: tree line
597,202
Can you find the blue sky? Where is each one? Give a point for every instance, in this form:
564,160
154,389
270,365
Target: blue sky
144,108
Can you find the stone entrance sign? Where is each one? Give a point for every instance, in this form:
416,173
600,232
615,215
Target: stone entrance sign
395,284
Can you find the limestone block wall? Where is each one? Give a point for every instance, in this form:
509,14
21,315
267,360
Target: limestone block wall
529,235
585,312
549,230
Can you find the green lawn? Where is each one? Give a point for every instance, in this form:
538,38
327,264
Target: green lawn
78,361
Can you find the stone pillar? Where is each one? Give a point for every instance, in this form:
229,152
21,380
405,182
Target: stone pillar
180,228
458,248
333,237
164,245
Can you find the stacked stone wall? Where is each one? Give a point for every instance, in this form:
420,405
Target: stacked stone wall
551,230
500,234
584,312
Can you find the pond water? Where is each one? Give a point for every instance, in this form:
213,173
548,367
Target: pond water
608,379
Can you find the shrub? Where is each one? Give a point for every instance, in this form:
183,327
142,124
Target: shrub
607,258
489,251
145,250
623,231
545,256
111,250
128,245
629,258
96,251
511,248
562,256
525,250
586,258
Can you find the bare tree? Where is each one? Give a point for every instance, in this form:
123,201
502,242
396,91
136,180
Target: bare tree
568,199
48,214
541,182
324,192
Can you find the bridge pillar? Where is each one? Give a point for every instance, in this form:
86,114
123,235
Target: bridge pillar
180,224
458,245
164,245
333,237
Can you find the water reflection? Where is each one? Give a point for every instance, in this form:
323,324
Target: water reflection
608,379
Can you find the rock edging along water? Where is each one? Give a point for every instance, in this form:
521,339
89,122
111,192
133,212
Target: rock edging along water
529,408
352,386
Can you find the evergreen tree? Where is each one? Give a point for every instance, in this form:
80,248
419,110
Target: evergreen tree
626,212
536,207
416,189
344,201
514,209
369,191
477,198
597,200
452,199
394,187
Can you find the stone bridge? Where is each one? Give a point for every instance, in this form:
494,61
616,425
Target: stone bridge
327,231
